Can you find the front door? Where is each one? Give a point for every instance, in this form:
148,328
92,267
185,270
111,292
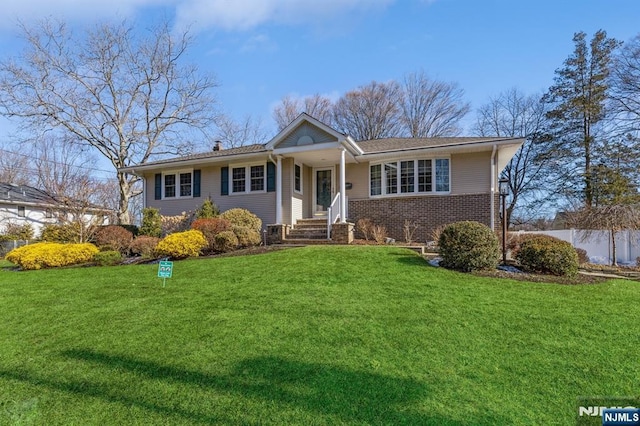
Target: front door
323,190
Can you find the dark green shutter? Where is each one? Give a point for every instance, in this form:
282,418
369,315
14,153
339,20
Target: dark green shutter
196,183
158,194
224,181
271,177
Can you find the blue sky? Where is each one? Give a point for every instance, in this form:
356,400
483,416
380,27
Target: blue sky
262,50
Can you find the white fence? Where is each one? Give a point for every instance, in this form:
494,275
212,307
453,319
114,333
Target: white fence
598,244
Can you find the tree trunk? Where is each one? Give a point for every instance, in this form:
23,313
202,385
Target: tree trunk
123,203
614,255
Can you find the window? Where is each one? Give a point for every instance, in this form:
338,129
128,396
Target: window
376,179
424,175
407,176
410,177
257,178
442,175
391,173
177,185
297,178
185,184
48,213
21,211
169,186
238,179
248,179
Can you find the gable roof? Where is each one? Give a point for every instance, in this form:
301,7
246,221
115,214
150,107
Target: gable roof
10,193
247,149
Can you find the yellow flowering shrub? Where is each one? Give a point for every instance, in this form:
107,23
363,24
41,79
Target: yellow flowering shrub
182,244
51,255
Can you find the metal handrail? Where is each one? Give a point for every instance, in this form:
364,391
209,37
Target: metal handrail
331,217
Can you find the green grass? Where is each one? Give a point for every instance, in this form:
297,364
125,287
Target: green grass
316,335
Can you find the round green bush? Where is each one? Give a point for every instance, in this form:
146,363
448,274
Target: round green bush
182,244
225,242
247,237
243,217
548,255
468,246
108,258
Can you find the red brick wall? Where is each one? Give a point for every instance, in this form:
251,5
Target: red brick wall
429,212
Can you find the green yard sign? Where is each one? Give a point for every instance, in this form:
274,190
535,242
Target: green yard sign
165,270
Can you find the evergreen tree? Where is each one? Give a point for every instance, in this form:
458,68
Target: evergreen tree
577,101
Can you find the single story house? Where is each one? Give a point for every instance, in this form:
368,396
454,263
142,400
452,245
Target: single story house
22,204
311,171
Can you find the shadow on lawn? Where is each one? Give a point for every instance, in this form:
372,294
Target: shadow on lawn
351,396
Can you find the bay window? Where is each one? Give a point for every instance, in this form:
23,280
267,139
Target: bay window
410,177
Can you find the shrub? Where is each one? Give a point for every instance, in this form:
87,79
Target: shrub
247,237
182,244
131,228
207,210
13,231
379,234
515,240
108,258
151,222
66,233
409,228
115,237
50,255
177,223
243,217
583,257
468,246
548,255
144,246
210,227
364,225
225,242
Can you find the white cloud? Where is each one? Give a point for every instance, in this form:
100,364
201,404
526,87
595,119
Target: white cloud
230,15
239,15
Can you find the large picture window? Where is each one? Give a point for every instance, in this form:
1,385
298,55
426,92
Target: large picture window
250,178
410,177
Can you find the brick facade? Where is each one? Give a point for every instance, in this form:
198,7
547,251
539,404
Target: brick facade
429,212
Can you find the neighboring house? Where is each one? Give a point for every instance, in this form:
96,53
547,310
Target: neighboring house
310,170
22,204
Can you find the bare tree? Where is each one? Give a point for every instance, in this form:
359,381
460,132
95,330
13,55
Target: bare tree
513,114
125,95
431,108
625,86
370,112
14,167
317,106
234,133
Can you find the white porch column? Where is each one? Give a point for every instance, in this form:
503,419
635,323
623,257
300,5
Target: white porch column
343,188
279,191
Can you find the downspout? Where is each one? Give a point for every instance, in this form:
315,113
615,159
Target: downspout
494,173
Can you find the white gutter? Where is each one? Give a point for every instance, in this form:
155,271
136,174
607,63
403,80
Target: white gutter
493,187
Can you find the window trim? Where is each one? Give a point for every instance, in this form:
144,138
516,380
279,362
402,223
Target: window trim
301,190
398,167
176,174
247,178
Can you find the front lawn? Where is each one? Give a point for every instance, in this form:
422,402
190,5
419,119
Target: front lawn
315,335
